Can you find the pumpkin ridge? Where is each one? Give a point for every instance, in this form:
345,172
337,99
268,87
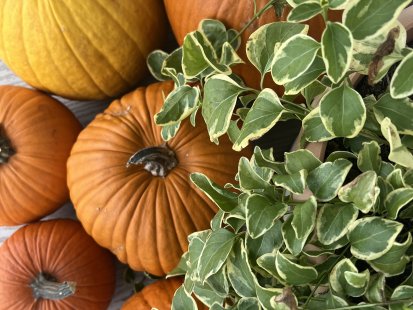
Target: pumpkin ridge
76,56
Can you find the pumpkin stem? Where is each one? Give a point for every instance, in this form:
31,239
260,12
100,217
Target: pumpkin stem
158,160
5,149
46,286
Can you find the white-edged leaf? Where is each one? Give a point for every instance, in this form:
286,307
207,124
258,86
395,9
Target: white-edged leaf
294,245
400,85
293,58
371,237
369,157
249,179
334,220
260,45
400,112
337,278
263,115
262,214
356,282
402,292
304,11
313,90
263,161
375,290
326,180
398,152
396,200
314,129
343,112
183,300
179,104
301,160
248,303
304,215
220,96
365,18
215,252
337,4
362,191
154,61
169,131
336,48
292,273
224,199
294,183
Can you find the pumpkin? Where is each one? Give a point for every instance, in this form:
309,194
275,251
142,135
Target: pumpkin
37,133
185,15
55,265
157,295
144,213
81,50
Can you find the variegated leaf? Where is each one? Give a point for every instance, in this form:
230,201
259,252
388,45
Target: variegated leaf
304,11
304,216
292,273
396,200
301,160
400,85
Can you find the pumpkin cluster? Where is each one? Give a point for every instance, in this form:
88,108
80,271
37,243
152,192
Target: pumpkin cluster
131,190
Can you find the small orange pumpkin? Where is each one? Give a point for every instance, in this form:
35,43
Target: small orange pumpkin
37,133
143,218
157,295
55,265
185,15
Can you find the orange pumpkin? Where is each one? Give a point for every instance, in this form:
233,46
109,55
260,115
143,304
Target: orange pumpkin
157,295
185,15
84,49
55,265
37,133
143,218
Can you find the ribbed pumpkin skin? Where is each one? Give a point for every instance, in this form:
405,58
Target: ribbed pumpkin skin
157,295
185,15
64,250
89,49
42,132
143,219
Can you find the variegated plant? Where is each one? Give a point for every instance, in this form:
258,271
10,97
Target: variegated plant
304,233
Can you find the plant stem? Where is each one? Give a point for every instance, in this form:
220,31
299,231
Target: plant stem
45,286
256,16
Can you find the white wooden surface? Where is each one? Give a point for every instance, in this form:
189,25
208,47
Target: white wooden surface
85,112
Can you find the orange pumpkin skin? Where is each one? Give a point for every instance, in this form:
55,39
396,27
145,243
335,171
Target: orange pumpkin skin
144,219
41,131
157,295
63,250
185,15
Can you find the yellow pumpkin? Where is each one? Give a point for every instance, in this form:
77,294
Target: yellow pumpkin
88,49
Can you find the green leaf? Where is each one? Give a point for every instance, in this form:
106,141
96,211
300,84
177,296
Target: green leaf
249,303
314,129
293,58
266,295
309,76
334,220
198,54
286,301
342,112
262,214
270,241
293,244
263,115
292,273
376,289
215,32
207,295
155,61
248,178
229,57
219,282
169,131
183,300
395,178
400,85
215,252
304,11
313,90
304,215
366,18
179,104
265,162
402,292
300,160
337,275
356,282
334,301
396,200
295,183
220,96
336,48
326,180
362,191
400,112
172,64
224,199
394,261
260,45
337,4
369,157
267,263
239,271
264,172
371,237
398,152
